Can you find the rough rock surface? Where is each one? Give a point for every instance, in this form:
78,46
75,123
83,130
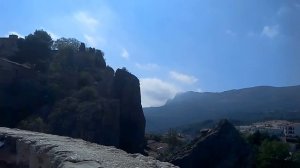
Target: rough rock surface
132,120
20,148
121,122
79,97
222,147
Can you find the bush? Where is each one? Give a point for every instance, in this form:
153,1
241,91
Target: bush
273,154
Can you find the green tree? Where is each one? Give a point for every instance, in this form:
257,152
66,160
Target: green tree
296,159
70,43
85,79
273,154
35,49
87,94
172,139
257,138
82,47
34,124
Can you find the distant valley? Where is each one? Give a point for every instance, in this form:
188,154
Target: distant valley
240,106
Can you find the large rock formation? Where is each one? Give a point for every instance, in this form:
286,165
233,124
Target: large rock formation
132,120
114,117
26,149
221,147
69,91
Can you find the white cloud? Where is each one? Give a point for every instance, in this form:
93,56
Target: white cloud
251,34
270,31
15,33
188,79
283,10
125,53
147,67
91,41
155,92
199,90
53,35
86,20
94,41
230,32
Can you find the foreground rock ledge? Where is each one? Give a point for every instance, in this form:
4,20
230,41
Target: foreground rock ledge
26,149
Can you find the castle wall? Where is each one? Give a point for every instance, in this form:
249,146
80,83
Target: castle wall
11,70
8,46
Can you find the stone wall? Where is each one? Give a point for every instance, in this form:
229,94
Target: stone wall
8,46
10,70
25,149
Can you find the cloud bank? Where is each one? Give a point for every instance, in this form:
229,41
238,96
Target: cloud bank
125,53
183,78
86,20
147,67
155,92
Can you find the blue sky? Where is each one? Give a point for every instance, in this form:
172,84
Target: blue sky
178,45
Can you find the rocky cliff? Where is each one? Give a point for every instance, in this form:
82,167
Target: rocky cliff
70,91
28,149
132,120
113,117
221,147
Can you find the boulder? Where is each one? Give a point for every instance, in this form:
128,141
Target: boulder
221,147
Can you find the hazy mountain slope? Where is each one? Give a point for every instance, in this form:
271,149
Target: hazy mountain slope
249,104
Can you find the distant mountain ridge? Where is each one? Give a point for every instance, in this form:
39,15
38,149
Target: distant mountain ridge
248,104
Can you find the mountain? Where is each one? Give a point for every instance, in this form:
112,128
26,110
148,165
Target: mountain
245,105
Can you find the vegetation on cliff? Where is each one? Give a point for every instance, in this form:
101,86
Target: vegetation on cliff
73,92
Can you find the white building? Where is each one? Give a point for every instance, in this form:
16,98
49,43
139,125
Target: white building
273,127
292,130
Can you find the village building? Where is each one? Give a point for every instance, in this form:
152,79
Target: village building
279,128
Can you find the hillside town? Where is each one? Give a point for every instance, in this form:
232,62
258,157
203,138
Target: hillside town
280,128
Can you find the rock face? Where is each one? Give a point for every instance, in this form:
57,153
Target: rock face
221,147
116,119
132,120
75,95
113,118
20,148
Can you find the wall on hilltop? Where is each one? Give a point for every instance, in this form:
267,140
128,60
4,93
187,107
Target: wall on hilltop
11,70
8,46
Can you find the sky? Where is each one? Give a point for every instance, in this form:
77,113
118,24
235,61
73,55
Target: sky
175,46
